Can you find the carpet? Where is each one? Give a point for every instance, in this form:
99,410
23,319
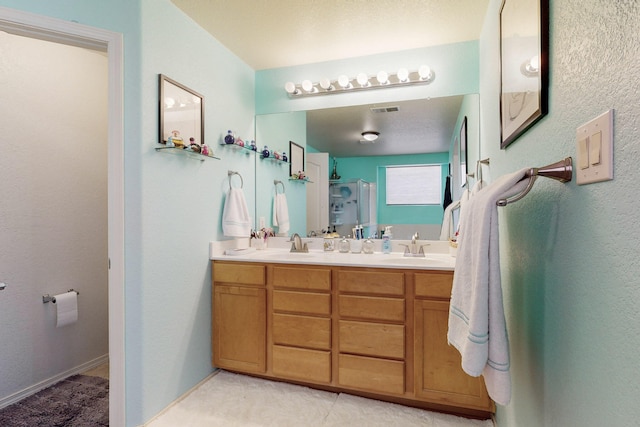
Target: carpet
79,400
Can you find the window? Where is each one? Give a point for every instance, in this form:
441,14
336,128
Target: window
414,185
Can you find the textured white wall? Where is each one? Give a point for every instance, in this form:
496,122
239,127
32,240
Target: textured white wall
53,209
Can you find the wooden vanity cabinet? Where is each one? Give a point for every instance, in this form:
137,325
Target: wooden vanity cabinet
377,332
438,376
371,330
239,312
301,322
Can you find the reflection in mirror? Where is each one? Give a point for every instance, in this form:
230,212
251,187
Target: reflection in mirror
181,112
417,132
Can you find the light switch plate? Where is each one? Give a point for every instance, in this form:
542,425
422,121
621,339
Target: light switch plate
599,128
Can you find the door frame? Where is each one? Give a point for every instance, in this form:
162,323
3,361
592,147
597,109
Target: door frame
71,33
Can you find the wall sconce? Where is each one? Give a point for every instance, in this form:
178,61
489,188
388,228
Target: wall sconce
424,75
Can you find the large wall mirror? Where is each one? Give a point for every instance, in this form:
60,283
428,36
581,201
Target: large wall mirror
423,131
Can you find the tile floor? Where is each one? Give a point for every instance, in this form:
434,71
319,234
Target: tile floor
233,400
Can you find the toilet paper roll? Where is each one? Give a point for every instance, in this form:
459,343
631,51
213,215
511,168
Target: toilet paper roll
67,308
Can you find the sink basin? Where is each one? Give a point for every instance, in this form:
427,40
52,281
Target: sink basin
287,255
409,261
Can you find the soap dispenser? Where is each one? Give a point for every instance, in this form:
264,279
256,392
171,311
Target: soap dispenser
386,240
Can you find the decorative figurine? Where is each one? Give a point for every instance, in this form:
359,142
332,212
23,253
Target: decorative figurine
239,142
253,146
205,150
265,152
284,157
229,139
175,139
193,146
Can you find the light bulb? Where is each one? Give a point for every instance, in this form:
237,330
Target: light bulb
534,64
425,72
403,75
290,87
363,80
343,81
382,77
307,86
326,84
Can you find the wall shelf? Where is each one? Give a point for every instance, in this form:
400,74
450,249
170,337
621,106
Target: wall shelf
301,180
185,153
245,149
273,159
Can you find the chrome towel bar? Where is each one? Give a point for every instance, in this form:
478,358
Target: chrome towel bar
560,171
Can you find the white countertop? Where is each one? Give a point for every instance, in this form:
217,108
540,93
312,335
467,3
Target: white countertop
435,257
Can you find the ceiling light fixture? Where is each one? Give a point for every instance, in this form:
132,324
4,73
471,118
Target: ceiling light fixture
424,75
370,135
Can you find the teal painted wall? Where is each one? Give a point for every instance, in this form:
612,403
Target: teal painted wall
173,206
570,254
455,66
275,131
372,169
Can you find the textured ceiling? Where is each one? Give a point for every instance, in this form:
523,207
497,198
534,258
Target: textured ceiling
281,33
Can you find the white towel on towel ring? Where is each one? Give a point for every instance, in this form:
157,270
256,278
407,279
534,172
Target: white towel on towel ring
477,325
281,213
236,221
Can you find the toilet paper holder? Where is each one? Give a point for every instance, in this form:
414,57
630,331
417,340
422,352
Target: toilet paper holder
48,298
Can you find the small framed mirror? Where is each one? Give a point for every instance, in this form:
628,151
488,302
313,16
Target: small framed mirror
296,156
181,112
524,66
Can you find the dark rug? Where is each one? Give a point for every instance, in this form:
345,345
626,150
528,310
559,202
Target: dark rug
80,400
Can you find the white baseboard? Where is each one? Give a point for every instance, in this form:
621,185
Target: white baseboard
15,397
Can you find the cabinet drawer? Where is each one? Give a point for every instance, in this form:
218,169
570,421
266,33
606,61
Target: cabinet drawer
371,374
302,364
372,339
302,331
371,282
434,285
372,308
318,279
240,273
302,302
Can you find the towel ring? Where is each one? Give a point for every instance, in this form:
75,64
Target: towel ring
230,174
276,182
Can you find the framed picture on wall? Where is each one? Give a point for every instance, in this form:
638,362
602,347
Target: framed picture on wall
524,66
296,156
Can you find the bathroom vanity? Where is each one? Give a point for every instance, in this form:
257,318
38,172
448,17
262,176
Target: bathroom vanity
371,325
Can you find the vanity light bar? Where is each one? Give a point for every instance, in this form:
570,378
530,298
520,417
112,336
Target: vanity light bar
424,75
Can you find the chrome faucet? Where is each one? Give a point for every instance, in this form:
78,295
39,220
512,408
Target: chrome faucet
297,245
413,250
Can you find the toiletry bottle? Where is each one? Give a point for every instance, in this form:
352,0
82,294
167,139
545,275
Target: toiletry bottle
386,240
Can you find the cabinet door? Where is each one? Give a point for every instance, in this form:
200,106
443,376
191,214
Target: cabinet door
438,375
239,328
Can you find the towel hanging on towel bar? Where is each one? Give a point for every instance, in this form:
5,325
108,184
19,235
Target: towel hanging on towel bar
560,171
